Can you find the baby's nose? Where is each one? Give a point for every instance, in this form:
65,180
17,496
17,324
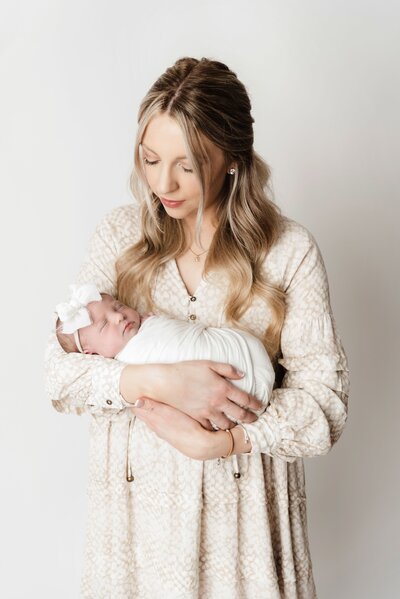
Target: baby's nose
116,317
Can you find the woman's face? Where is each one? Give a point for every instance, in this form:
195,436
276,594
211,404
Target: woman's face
169,172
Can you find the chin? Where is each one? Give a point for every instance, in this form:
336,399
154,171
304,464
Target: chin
176,216
179,214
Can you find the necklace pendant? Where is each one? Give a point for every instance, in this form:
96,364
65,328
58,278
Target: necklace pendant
197,259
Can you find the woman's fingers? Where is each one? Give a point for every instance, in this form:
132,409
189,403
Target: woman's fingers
236,395
226,370
205,423
150,405
243,399
238,413
222,421
155,414
145,406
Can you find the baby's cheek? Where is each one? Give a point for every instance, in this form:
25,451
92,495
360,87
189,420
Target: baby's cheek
118,345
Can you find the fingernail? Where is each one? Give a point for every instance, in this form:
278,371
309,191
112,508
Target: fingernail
240,373
139,403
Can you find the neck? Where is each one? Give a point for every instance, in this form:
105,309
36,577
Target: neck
207,230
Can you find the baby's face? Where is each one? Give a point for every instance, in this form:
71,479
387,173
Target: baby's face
113,324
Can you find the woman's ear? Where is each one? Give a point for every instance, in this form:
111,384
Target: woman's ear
232,168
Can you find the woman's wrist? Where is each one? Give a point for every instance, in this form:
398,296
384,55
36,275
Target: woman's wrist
147,380
130,383
140,380
218,443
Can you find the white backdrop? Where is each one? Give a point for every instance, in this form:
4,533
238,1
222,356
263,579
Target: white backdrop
321,76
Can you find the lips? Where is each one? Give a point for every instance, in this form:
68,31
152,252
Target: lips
171,203
128,326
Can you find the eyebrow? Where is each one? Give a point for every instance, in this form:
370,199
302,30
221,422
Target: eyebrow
102,318
150,150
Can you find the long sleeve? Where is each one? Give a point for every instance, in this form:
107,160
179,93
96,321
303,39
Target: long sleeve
307,413
78,383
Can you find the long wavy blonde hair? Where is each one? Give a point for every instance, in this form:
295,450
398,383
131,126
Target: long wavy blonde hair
206,99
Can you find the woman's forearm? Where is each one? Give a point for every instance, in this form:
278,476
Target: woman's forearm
143,380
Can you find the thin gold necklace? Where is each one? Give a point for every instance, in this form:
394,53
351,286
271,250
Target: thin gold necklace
197,256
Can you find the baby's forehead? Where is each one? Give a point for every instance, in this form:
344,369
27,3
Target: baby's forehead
97,306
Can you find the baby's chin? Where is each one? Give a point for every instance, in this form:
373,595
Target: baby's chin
117,348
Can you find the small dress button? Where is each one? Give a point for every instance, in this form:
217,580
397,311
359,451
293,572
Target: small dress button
193,317
193,299
109,402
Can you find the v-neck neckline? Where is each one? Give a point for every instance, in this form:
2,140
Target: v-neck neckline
182,282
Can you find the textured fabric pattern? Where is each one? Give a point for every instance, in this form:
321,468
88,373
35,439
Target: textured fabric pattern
186,529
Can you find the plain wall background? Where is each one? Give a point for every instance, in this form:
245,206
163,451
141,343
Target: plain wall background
322,79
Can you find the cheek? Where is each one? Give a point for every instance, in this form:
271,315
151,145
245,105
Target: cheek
194,188
90,339
214,189
151,177
112,345
190,188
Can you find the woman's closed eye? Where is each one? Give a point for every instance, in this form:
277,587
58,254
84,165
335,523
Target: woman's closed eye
153,162
150,162
187,170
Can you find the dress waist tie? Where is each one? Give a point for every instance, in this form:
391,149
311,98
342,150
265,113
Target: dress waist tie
129,473
235,466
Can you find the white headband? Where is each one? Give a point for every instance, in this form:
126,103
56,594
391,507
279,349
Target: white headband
73,314
78,342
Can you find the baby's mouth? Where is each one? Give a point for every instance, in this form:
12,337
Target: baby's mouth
128,326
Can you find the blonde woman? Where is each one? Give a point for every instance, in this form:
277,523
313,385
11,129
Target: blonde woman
203,241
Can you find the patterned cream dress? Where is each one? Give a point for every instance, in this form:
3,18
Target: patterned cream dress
184,528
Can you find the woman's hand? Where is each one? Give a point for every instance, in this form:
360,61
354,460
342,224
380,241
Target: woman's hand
186,434
199,388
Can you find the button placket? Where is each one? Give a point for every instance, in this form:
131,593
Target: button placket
191,308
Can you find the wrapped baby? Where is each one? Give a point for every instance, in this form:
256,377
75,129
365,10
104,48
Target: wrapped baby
97,323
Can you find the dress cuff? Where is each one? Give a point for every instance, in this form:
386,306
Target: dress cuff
261,437
105,387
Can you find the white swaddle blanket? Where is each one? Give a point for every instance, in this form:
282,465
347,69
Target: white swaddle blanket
161,339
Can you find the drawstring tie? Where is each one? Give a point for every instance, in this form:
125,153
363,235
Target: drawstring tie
235,466
129,473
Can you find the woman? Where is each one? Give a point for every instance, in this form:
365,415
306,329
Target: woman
204,242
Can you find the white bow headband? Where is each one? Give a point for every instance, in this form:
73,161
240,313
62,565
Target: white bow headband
73,314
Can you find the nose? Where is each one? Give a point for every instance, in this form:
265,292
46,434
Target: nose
115,317
166,183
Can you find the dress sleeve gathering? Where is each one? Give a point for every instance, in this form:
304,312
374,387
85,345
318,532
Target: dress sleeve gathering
78,383
307,413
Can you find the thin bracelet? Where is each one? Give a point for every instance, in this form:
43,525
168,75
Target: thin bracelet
246,434
232,444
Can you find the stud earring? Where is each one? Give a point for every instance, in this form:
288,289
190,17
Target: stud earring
232,171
